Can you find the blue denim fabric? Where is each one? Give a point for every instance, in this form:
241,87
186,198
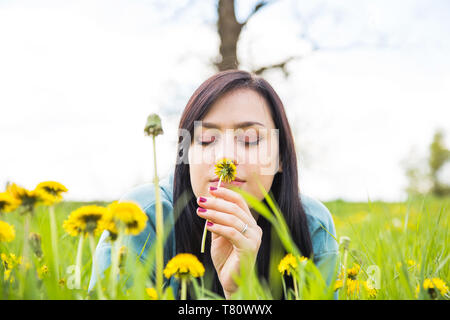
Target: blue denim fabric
325,247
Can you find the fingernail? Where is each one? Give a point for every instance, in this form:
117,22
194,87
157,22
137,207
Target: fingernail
201,209
201,199
212,188
210,224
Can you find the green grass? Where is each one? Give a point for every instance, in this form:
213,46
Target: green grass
382,236
385,234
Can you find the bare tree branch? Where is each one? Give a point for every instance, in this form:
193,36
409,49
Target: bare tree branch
258,6
281,65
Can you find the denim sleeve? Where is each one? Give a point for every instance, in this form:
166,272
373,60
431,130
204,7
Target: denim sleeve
327,261
102,259
323,236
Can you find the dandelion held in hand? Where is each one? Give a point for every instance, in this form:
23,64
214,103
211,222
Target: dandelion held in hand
225,170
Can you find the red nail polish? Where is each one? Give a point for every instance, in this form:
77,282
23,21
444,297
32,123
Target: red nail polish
201,209
210,224
212,188
201,199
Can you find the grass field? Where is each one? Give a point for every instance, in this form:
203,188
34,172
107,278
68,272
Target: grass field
397,246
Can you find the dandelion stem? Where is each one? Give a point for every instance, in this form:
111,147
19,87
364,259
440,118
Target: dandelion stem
97,274
183,288
295,287
25,260
115,265
344,282
26,230
205,231
54,242
78,262
159,229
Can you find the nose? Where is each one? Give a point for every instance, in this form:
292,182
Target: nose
227,148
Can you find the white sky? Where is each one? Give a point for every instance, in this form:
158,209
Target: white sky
78,79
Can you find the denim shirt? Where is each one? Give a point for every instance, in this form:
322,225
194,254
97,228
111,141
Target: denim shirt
325,247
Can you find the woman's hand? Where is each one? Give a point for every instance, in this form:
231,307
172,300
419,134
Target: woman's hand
229,213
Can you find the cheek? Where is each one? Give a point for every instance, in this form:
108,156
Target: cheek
253,188
265,157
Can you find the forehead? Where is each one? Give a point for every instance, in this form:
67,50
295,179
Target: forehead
238,106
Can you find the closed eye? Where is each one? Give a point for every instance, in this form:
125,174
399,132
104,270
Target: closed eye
247,143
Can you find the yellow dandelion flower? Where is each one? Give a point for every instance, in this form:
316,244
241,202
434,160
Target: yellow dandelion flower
52,190
62,282
412,264
7,202
27,198
225,169
353,272
85,220
127,216
7,232
289,263
338,284
9,262
352,286
151,292
371,292
435,283
42,271
183,265
7,274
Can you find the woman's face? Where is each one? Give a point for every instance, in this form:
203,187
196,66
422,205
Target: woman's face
239,127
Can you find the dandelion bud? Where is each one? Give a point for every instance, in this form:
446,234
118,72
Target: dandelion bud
153,126
344,241
35,243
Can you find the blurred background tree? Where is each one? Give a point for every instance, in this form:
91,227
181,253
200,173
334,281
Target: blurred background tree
429,175
439,157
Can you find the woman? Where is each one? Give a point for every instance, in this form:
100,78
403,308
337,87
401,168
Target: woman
237,116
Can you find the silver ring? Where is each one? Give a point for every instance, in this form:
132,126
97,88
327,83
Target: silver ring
245,228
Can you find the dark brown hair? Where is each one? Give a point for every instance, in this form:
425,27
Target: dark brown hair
285,190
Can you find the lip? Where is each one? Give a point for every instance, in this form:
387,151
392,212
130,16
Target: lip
225,184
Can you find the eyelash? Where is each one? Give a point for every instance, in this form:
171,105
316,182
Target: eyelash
247,144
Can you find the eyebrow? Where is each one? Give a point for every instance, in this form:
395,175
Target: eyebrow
244,124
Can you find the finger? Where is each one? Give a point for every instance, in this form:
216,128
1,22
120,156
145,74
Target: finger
222,205
232,196
229,233
224,219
